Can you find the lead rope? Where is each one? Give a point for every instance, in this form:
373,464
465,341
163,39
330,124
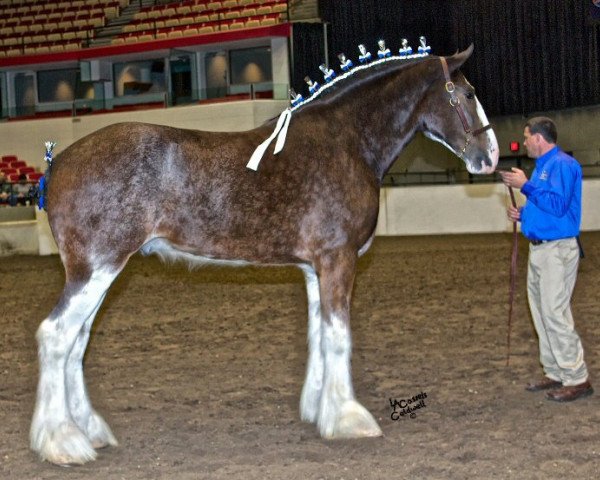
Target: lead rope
513,277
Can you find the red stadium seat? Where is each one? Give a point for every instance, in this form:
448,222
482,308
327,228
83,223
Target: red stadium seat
9,158
13,177
35,176
26,170
9,171
18,164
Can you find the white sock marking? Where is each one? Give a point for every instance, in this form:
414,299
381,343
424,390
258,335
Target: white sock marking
313,383
61,387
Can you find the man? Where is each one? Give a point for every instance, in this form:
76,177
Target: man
4,189
21,190
550,220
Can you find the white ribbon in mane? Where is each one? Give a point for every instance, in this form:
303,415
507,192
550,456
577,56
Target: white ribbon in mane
280,132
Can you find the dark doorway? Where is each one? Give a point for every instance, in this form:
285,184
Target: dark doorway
181,80
24,94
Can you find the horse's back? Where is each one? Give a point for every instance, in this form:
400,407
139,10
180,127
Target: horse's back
132,146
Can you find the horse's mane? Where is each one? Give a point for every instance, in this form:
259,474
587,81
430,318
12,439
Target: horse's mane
337,87
359,75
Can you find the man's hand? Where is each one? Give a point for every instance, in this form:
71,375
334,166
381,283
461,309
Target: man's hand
514,214
515,178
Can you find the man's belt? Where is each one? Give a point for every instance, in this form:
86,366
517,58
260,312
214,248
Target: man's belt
539,242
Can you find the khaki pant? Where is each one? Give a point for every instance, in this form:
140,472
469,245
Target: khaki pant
551,276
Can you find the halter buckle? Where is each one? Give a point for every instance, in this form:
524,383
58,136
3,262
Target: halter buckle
450,87
454,101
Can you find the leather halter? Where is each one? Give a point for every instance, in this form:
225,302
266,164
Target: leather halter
455,103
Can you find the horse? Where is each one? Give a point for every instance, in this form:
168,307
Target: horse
188,195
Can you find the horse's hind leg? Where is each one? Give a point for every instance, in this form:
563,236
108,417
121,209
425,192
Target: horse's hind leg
56,434
85,417
340,415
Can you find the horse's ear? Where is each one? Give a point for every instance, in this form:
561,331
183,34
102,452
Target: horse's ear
456,61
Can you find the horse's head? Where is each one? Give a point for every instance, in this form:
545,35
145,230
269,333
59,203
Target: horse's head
453,116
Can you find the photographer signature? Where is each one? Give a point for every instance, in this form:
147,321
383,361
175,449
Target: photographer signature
407,406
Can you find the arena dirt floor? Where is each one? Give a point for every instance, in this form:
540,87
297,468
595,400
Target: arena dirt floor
199,374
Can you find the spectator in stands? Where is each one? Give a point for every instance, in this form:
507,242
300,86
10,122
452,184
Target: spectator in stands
21,191
4,189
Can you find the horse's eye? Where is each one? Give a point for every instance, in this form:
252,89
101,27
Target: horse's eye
470,95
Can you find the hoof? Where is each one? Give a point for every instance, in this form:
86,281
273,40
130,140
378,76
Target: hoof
308,416
99,433
353,421
309,406
64,445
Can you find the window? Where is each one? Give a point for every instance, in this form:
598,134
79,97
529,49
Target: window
62,86
136,78
250,65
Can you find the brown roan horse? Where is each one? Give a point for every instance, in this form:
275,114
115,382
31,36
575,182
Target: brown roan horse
186,194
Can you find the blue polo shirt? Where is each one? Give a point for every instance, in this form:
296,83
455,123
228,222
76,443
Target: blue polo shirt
553,207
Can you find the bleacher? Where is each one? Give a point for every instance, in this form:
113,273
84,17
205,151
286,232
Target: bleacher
13,169
197,17
32,27
72,32
29,27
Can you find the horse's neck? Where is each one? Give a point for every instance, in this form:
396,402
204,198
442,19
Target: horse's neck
381,118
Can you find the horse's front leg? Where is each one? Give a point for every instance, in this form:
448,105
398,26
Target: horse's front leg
313,383
340,415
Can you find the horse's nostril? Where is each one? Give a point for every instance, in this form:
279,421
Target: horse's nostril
483,160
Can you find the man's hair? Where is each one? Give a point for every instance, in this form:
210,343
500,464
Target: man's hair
544,126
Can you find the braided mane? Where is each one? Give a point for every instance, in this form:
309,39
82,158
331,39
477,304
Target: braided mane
341,83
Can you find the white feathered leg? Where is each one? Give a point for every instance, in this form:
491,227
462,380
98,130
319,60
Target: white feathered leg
54,433
86,418
313,383
340,415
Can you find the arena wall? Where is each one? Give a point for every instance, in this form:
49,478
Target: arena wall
450,209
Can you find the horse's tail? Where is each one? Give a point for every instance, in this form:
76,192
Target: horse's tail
42,189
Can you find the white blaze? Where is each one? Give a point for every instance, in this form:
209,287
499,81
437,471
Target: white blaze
492,144
493,149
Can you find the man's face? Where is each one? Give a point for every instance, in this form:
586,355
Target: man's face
532,143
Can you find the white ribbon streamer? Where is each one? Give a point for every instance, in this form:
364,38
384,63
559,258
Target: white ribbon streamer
283,133
280,132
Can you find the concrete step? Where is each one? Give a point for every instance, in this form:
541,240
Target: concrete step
115,26
101,42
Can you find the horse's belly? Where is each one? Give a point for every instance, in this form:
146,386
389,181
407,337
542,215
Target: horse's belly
168,252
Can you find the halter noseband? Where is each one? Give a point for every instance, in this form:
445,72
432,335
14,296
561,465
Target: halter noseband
455,103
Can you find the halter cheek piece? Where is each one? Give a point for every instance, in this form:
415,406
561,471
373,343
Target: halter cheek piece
455,103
